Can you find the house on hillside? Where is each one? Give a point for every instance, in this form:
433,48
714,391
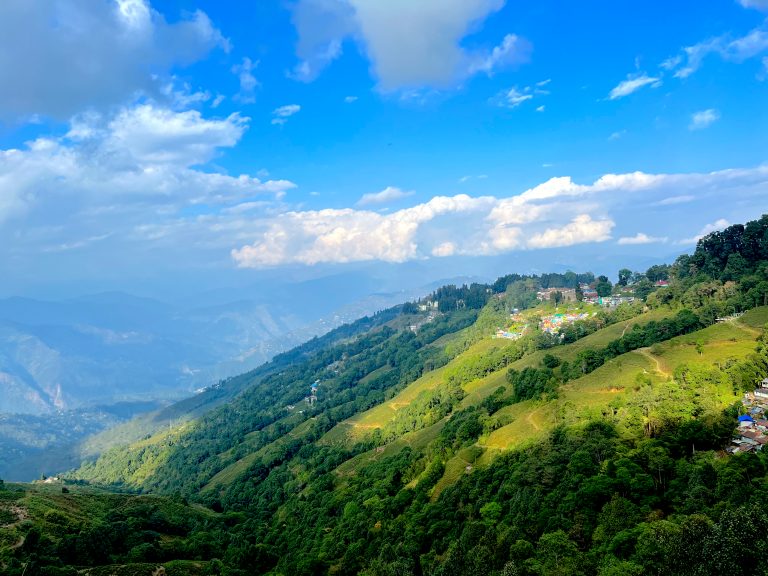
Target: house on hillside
567,294
746,421
755,438
662,283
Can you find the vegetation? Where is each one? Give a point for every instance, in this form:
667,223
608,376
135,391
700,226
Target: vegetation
433,449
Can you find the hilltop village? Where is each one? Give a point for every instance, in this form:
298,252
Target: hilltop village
579,304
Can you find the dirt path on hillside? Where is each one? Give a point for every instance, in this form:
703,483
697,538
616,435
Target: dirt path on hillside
630,323
659,368
531,421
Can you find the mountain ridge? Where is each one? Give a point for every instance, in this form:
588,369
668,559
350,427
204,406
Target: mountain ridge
424,444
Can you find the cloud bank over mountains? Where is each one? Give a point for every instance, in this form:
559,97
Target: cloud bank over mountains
557,213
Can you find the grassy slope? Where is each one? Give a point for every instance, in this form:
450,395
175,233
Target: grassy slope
593,393
524,422
580,399
356,427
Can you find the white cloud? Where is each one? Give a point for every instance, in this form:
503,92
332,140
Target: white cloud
757,4
143,156
557,213
672,200
281,114
633,83
639,239
443,250
389,194
703,119
752,44
513,97
672,62
719,224
465,179
409,44
341,236
350,99
148,136
512,51
248,82
617,135
322,26
582,229
92,53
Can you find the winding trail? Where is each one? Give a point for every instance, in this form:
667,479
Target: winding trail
531,421
659,368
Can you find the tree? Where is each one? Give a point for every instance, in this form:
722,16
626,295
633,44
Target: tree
658,272
603,286
625,275
550,361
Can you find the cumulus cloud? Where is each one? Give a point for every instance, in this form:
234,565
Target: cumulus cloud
322,26
582,229
147,135
142,156
409,44
389,194
91,53
703,119
347,235
639,239
556,213
280,115
632,84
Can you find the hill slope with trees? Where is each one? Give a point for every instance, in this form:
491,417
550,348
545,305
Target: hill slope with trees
417,443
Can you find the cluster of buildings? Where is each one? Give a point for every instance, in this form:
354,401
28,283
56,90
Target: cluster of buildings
429,318
517,330
752,432
614,301
553,324
546,294
511,334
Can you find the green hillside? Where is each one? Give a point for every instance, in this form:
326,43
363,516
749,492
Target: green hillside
455,435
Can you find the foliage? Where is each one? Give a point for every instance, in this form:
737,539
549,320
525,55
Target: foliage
641,487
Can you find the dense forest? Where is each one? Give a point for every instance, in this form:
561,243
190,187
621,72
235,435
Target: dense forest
372,450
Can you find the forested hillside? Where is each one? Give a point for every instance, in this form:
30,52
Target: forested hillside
519,428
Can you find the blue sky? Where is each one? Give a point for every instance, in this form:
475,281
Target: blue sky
195,139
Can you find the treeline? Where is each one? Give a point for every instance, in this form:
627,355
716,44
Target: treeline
550,280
